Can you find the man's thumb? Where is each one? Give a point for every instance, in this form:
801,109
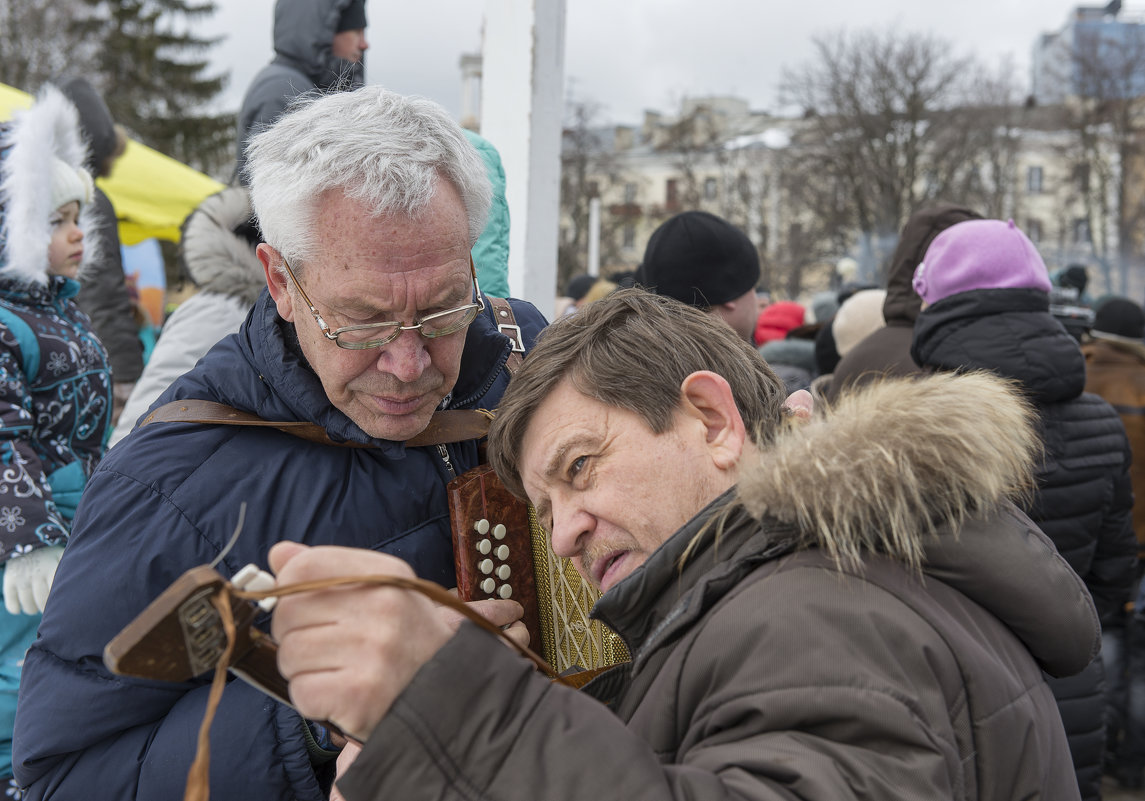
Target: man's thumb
283,552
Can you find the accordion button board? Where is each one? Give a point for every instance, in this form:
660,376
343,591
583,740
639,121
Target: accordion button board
500,552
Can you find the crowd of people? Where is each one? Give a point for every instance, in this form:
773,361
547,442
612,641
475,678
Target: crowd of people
880,542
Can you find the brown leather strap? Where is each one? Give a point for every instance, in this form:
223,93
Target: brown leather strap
507,325
454,425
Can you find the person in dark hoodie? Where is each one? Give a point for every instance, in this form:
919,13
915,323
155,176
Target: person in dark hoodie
104,296
986,295
318,44
887,350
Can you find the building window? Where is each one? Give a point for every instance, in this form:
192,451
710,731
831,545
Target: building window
1081,174
1034,230
629,236
1081,231
1034,180
672,194
710,188
630,193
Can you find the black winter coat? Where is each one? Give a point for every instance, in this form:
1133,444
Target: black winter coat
1083,497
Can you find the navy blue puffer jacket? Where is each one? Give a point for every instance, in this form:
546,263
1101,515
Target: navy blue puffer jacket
167,499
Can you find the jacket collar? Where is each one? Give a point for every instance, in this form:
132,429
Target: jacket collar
1007,331
661,598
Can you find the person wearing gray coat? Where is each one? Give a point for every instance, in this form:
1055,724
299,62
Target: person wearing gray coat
318,44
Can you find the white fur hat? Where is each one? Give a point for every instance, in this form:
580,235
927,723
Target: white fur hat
43,169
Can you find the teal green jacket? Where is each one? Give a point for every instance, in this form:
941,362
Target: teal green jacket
491,253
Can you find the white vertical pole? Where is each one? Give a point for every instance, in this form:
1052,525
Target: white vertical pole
594,236
522,108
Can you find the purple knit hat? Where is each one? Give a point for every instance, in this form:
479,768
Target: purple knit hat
979,254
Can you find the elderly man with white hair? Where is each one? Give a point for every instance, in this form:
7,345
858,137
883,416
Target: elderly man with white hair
372,321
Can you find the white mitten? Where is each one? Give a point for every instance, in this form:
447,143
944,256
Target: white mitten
28,578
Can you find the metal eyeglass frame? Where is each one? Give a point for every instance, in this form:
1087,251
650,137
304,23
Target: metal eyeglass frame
394,326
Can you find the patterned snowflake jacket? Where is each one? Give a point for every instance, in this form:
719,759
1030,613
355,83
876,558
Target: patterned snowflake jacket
55,384
55,400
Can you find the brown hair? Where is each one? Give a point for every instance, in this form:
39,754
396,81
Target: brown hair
633,350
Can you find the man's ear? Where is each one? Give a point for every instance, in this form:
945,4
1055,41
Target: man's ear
276,280
707,397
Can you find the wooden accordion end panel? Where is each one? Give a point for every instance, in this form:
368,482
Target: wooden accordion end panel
501,552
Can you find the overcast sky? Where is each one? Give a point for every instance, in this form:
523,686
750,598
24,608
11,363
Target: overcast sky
632,55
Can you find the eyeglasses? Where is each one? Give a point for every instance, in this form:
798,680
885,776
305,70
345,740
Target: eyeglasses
374,335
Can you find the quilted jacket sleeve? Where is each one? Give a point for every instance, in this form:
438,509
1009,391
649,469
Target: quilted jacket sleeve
479,723
1112,574
84,733
28,517
104,298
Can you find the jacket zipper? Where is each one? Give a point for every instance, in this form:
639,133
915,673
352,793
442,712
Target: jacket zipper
444,453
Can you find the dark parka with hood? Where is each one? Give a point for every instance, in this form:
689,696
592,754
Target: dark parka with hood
103,289
763,669
887,350
166,499
303,61
1084,495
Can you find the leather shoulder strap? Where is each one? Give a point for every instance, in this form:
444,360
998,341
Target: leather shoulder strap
445,426
507,325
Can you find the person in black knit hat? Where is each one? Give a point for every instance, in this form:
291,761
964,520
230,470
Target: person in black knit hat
705,261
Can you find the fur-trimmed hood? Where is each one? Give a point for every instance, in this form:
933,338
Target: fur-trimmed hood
215,250
50,128
886,467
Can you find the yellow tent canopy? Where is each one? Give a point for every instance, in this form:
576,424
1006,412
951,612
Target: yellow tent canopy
152,193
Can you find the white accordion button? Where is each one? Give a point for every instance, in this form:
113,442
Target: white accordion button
503,572
502,552
485,566
505,592
499,531
252,579
484,547
482,526
488,585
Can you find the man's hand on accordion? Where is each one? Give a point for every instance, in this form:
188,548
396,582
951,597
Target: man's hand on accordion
506,614
349,651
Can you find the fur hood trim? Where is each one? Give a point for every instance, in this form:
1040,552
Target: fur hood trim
889,465
216,257
50,128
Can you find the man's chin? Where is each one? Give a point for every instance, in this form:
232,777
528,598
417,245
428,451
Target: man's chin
396,427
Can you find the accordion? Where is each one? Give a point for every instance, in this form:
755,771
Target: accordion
500,551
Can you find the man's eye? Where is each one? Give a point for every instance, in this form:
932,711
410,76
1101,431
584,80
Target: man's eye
577,465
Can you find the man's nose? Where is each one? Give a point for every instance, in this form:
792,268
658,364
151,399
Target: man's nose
571,528
406,358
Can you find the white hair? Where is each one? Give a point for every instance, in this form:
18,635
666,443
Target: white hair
380,148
